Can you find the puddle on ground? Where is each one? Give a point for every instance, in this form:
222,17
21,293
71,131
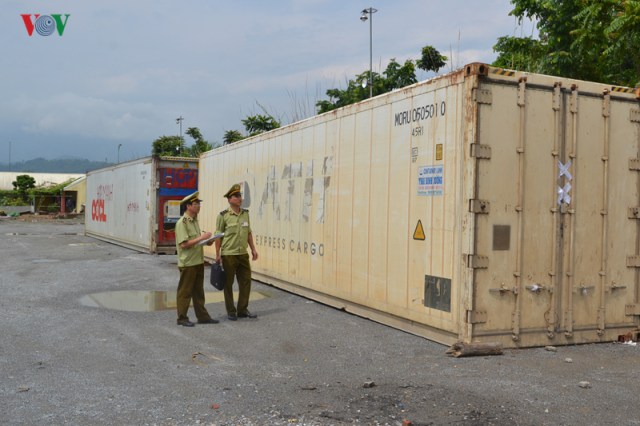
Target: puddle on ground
150,301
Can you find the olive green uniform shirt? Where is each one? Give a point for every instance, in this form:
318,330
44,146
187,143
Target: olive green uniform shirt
236,228
187,229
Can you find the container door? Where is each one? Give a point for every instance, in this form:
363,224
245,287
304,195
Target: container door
517,248
600,226
175,183
556,242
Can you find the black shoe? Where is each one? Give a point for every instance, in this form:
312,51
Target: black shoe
247,315
232,317
186,323
208,321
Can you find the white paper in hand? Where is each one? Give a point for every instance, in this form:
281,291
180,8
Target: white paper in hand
213,237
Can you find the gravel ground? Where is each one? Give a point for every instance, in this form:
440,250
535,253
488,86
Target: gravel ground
66,360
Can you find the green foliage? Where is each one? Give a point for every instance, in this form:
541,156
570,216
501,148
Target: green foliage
593,40
523,53
200,144
431,59
395,76
255,124
168,146
22,184
173,146
356,91
231,136
11,198
50,190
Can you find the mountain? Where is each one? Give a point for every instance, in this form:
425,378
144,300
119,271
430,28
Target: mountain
60,165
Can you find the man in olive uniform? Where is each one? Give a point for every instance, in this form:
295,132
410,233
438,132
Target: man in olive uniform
191,263
232,250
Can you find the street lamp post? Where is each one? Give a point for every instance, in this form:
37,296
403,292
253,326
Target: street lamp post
368,14
119,146
179,121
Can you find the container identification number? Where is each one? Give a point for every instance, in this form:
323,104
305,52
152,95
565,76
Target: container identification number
425,112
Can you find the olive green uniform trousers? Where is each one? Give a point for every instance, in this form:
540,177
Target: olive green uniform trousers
237,266
191,286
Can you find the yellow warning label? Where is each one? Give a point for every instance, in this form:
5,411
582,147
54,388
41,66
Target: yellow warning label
418,234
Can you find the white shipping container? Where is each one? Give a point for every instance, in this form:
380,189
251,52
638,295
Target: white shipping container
136,204
484,205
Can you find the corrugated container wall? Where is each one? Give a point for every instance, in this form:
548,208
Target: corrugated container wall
136,204
485,206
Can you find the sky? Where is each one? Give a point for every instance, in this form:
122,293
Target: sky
123,71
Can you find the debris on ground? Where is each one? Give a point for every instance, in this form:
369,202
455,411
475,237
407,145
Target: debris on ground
460,349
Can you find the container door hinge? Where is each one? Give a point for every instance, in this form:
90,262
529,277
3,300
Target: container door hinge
633,261
606,104
634,164
632,310
480,151
483,96
476,317
634,115
476,261
479,206
522,87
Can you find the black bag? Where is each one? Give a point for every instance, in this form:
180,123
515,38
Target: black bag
218,276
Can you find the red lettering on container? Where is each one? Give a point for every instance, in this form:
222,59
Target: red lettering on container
97,211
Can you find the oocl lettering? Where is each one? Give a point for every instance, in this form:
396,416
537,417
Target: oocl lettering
97,211
45,25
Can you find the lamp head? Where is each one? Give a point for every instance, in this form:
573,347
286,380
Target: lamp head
363,17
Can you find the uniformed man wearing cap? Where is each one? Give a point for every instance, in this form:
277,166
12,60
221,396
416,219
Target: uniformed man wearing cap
232,251
191,263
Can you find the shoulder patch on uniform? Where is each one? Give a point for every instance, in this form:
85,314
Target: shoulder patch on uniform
245,210
223,212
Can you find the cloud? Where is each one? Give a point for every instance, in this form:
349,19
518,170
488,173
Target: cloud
73,114
123,71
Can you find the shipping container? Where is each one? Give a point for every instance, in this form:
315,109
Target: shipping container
137,204
482,206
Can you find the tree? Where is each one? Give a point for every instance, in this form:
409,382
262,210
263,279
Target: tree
431,59
168,146
608,33
256,124
22,184
173,146
584,39
231,136
200,144
395,76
